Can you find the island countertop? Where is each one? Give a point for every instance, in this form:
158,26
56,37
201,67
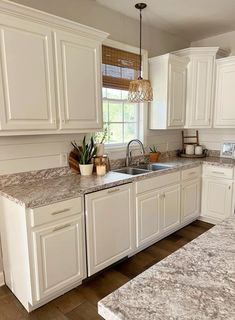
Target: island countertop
42,192
195,282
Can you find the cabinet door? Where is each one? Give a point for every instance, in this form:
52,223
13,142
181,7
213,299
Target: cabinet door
217,198
225,94
27,93
176,95
60,256
147,218
170,208
109,226
190,200
79,81
200,91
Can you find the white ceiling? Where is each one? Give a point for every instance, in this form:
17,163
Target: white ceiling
190,19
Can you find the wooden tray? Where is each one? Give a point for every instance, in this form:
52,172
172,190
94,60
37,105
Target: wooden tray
183,155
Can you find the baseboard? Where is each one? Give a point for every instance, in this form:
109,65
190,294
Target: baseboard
2,280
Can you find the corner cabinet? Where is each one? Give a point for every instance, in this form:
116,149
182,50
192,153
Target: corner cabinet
27,86
225,93
109,226
200,84
168,79
50,76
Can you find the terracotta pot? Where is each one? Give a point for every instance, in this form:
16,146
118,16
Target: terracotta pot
154,156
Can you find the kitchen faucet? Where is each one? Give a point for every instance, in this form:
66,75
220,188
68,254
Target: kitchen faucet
128,152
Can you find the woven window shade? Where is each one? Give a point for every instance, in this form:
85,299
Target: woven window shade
119,68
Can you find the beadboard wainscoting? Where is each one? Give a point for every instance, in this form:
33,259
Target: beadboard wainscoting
213,138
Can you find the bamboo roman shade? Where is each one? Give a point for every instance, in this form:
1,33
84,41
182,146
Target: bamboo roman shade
119,68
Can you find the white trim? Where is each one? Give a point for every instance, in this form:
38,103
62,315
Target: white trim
2,279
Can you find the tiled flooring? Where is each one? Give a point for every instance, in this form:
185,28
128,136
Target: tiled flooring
81,303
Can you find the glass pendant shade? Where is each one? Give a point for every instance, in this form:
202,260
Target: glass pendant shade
140,91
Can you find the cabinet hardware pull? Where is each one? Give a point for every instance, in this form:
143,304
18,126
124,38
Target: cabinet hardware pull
113,190
60,211
192,172
218,172
61,227
229,187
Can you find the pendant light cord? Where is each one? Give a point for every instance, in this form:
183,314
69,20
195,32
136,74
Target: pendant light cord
139,78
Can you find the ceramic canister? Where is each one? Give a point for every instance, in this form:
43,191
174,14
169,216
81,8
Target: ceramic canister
189,149
198,150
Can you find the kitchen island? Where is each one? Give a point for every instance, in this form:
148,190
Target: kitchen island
195,282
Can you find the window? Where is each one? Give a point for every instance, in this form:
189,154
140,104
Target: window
120,117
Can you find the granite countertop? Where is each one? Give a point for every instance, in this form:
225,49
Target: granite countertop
195,282
47,191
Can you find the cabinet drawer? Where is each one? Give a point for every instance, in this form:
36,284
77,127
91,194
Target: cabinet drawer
191,173
55,211
218,172
157,182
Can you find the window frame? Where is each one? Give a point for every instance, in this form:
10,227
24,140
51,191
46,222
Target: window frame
143,107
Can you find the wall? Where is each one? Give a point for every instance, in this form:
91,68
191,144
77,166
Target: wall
212,138
224,40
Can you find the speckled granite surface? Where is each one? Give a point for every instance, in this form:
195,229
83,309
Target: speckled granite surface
196,282
49,187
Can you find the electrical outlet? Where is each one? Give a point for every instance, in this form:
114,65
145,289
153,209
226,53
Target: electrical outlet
63,159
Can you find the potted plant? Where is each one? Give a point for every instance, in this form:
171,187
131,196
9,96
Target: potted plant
86,152
154,154
99,142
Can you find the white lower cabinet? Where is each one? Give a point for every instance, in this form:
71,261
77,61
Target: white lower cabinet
217,198
59,254
217,193
43,249
190,199
109,226
147,217
170,208
157,208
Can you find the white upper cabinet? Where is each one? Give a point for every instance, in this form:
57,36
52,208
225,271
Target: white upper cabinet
27,90
225,93
79,81
168,79
200,85
50,76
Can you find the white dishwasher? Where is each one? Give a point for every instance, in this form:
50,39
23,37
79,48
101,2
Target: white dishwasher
109,226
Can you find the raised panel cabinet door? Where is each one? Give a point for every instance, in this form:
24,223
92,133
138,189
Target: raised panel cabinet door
176,95
79,81
27,91
147,218
217,198
170,208
190,200
200,91
60,256
225,93
109,226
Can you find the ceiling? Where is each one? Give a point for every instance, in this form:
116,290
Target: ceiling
190,19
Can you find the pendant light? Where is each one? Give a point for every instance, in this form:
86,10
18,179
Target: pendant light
140,90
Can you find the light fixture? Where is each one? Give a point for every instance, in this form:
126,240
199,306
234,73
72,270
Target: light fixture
140,90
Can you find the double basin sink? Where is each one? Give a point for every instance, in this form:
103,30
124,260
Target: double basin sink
145,168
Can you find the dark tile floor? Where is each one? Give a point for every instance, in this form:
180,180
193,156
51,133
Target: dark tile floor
81,303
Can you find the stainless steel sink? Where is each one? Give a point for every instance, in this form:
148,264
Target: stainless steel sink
132,171
156,166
